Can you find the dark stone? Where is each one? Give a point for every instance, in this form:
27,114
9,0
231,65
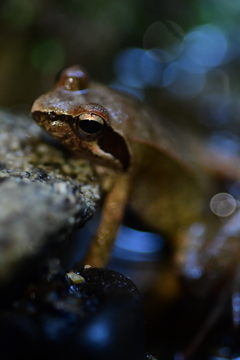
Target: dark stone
100,319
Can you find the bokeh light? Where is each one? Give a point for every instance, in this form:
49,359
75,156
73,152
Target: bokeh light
223,204
182,83
137,245
225,141
134,68
206,46
174,60
164,42
191,266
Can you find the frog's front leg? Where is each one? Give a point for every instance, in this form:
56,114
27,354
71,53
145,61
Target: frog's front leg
111,219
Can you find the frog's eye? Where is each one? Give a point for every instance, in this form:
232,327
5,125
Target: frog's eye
90,126
74,78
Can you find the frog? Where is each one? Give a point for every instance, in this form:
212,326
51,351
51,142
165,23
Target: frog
162,174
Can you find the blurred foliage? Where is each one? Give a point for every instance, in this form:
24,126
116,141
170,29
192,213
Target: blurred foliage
39,37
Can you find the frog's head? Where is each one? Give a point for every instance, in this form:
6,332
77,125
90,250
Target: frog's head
84,127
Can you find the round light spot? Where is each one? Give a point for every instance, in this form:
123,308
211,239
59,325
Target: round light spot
164,42
206,45
197,229
223,204
133,67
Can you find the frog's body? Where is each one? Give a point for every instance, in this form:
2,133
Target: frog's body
155,169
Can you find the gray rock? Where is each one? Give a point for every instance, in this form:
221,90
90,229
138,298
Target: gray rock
45,193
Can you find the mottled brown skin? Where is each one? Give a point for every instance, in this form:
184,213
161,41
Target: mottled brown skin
156,169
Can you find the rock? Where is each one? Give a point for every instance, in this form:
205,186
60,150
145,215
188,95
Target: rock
100,319
45,193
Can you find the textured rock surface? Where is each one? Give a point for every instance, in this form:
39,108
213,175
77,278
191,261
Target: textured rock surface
45,193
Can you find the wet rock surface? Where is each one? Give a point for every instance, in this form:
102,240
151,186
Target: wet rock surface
45,194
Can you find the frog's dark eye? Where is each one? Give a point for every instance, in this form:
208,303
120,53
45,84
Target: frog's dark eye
90,126
74,78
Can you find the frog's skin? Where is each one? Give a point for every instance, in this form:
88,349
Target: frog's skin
162,173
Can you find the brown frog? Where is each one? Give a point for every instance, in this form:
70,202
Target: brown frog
164,175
